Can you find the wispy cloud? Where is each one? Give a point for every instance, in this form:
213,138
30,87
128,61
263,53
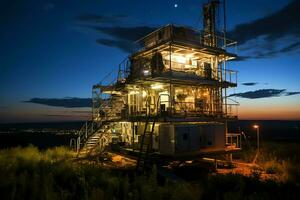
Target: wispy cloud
122,37
275,26
270,36
118,33
264,93
70,102
124,45
291,47
241,58
126,33
291,93
249,84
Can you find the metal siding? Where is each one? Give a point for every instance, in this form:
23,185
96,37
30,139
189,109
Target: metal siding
166,139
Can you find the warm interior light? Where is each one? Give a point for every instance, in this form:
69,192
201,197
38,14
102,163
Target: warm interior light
189,55
133,92
156,86
144,94
255,126
179,59
205,94
146,72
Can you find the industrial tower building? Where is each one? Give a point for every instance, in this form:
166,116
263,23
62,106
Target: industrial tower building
170,96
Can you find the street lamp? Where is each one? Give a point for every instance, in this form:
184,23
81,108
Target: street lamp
257,135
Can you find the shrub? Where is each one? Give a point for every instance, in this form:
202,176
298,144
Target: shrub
58,154
27,173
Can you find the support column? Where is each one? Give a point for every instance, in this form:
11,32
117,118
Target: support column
78,144
171,87
133,129
86,130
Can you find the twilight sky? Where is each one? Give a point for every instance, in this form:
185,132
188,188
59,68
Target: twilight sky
52,52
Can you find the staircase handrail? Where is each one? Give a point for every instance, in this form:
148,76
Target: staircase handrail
85,131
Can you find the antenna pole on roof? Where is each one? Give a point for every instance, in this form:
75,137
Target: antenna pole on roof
224,30
209,22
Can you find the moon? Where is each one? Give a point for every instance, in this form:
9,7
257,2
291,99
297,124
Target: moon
175,5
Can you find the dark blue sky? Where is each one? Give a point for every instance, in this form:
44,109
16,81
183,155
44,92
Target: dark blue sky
49,50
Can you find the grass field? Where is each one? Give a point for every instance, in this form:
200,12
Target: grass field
276,157
28,173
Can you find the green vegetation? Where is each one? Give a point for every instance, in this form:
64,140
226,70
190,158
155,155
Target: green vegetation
27,173
281,158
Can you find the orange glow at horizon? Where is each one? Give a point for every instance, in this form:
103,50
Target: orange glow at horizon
269,113
287,108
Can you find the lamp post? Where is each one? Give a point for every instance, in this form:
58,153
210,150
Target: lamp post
257,135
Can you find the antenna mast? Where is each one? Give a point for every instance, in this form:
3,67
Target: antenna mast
209,23
224,30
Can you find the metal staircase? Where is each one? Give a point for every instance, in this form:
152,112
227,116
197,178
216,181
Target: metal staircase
106,108
90,139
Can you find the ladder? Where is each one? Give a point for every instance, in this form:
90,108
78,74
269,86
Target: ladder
146,143
146,140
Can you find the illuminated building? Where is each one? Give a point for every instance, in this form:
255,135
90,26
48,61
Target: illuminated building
170,95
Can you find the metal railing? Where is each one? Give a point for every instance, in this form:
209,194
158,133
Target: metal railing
207,109
229,76
182,34
194,109
80,141
200,71
142,68
185,109
151,109
221,75
108,109
82,135
231,108
234,140
123,70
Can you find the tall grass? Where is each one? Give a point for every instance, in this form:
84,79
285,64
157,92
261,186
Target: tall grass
27,173
280,158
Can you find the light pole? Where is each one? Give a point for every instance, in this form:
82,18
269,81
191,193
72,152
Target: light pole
257,135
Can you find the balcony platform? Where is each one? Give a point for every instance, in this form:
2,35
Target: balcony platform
180,118
184,78
203,152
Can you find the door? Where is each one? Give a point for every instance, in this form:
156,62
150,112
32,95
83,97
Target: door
182,139
194,136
